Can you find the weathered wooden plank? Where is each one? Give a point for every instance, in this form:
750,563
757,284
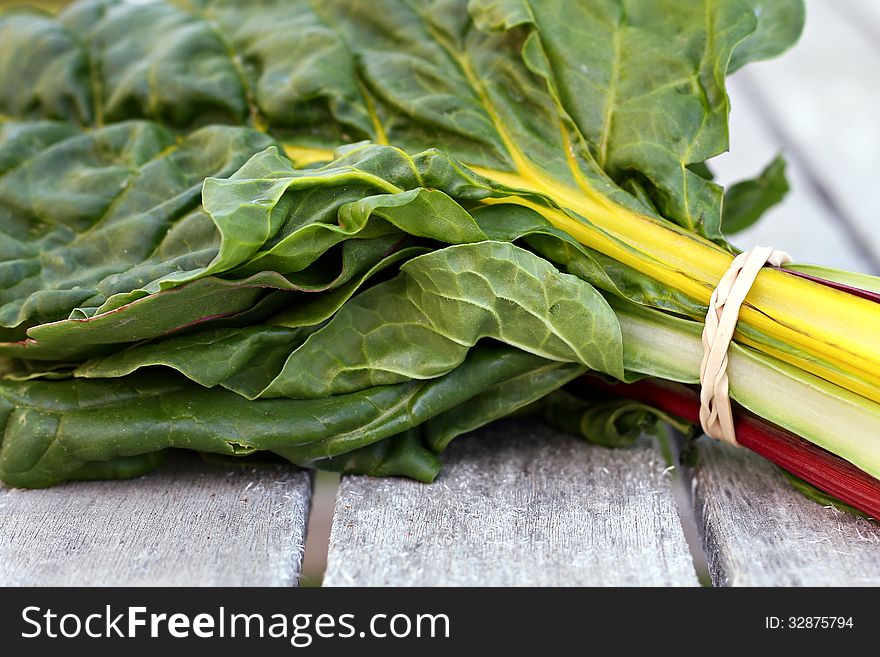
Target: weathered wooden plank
187,524
822,99
759,531
802,224
516,504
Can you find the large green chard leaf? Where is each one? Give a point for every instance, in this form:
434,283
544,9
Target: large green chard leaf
121,243
586,96
269,226
419,325
185,64
55,63
53,429
85,215
618,103
496,85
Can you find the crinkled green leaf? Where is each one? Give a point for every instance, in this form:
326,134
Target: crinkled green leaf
423,323
330,294
530,228
45,70
272,227
419,325
113,245
53,429
267,217
272,216
95,213
586,95
500,400
186,64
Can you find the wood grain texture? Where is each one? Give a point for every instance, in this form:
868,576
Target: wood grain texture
516,504
187,524
759,531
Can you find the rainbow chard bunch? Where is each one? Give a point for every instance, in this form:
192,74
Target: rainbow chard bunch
346,233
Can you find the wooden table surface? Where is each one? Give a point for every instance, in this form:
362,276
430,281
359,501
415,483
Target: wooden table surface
519,504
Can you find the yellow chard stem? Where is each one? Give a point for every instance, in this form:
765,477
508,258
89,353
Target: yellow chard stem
838,332
828,324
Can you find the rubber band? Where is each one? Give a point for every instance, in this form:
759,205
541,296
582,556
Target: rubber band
716,415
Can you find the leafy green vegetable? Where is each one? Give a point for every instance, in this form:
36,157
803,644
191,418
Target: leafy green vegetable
95,213
55,428
575,93
489,198
374,203
418,326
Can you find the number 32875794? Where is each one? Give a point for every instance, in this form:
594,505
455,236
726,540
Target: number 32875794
808,622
